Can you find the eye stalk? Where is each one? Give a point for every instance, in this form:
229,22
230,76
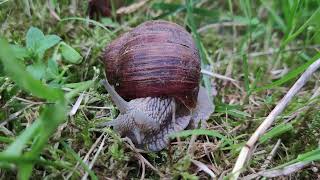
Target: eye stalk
137,121
117,99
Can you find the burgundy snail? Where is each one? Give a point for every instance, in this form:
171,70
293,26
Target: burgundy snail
155,71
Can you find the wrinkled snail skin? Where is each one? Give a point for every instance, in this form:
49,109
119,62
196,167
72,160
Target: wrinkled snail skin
155,71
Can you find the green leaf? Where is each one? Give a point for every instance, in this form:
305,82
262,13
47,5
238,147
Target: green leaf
37,70
231,110
310,156
292,35
25,171
50,118
38,43
238,114
34,35
23,78
52,69
276,131
47,42
4,139
277,18
69,54
19,52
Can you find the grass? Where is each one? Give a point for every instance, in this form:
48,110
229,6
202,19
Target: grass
47,64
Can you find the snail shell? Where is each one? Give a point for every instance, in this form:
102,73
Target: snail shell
157,58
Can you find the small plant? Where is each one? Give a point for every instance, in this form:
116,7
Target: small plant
34,51
24,152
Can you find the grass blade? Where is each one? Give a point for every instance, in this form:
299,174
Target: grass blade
276,131
292,74
17,146
211,133
83,164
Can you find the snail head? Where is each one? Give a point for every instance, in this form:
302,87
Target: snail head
132,121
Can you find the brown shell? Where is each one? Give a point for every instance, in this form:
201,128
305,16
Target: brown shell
157,58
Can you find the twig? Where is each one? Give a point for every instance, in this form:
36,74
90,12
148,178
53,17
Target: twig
73,7
316,93
191,144
143,170
97,107
95,144
246,151
95,157
14,115
193,140
278,172
219,76
6,131
53,12
271,155
149,164
132,8
28,101
284,171
140,157
204,168
4,1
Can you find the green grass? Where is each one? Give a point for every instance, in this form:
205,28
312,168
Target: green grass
46,64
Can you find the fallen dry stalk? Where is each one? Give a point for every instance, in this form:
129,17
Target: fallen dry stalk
285,171
132,8
246,151
271,155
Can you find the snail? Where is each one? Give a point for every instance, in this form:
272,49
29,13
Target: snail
153,77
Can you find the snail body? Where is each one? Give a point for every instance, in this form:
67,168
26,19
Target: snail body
155,71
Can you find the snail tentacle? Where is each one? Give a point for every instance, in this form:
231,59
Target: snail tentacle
117,99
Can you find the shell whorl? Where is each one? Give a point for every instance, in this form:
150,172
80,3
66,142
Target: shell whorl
155,59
